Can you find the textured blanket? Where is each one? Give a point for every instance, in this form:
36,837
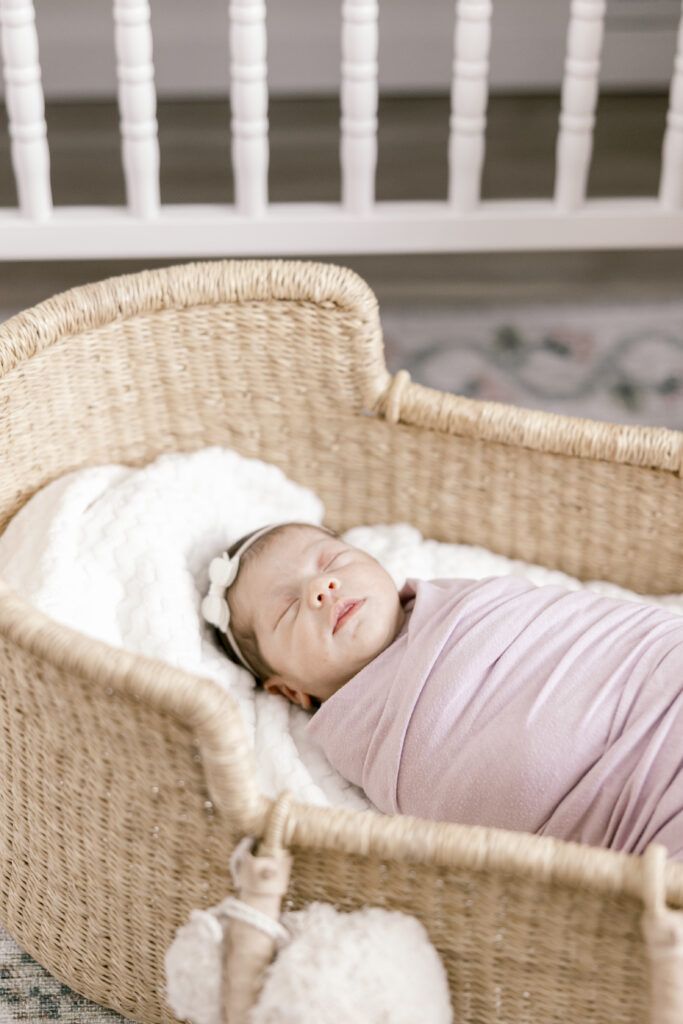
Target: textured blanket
122,554
537,709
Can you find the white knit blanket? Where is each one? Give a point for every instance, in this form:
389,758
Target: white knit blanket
121,554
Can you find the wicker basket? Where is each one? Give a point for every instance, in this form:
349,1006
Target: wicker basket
126,782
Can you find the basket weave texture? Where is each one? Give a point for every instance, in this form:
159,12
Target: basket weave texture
126,782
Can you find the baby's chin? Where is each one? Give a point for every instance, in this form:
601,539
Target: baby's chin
372,651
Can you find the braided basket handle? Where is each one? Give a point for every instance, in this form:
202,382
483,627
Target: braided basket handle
663,932
262,879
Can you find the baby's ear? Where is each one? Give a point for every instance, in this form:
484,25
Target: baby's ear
275,684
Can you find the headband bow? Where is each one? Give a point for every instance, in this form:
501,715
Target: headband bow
222,574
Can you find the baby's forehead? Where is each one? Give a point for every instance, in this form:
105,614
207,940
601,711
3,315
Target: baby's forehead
283,553
293,545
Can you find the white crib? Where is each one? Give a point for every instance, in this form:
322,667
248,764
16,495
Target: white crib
357,223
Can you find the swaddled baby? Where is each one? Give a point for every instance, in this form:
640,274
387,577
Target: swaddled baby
487,702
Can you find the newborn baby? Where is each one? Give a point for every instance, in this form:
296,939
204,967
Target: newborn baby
489,702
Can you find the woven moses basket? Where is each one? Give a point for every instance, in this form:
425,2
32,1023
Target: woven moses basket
127,783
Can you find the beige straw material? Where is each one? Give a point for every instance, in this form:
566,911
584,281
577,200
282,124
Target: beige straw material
663,931
126,783
285,362
118,776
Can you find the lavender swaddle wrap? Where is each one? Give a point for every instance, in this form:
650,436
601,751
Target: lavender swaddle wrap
538,709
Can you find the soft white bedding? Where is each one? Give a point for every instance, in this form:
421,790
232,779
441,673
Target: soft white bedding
122,554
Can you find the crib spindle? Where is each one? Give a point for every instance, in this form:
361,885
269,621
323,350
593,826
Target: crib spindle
671,179
578,102
249,104
137,105
26,108
358,148
469,97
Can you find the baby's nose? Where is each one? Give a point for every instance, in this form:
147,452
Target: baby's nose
322,589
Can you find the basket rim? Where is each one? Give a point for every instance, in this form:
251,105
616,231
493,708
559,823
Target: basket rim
180,286
197,702
655,448
200,283
478,848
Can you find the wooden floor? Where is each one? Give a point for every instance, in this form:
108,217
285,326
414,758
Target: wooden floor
304,139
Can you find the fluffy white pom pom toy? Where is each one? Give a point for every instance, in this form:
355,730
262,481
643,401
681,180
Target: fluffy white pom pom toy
365,967
194,964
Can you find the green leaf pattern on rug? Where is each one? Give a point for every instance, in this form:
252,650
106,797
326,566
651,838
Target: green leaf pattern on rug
30,995
622,364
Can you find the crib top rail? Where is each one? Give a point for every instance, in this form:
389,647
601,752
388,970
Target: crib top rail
252,225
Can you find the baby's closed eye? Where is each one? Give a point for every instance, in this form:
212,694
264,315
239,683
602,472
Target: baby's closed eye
330,560
288,606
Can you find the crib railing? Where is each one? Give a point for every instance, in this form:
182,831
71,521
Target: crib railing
357,223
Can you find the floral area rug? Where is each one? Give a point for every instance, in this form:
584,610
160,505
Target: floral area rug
621,364
29,995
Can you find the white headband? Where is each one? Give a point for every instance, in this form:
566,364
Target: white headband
222,573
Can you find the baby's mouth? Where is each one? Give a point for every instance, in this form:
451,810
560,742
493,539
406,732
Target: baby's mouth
343,611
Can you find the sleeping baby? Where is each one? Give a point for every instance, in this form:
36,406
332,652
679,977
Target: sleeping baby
484,702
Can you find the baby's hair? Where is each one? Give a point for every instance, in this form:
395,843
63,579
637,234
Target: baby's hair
244,634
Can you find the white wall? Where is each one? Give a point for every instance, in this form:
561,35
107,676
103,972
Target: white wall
191,41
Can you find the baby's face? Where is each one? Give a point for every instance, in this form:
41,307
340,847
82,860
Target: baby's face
321,610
